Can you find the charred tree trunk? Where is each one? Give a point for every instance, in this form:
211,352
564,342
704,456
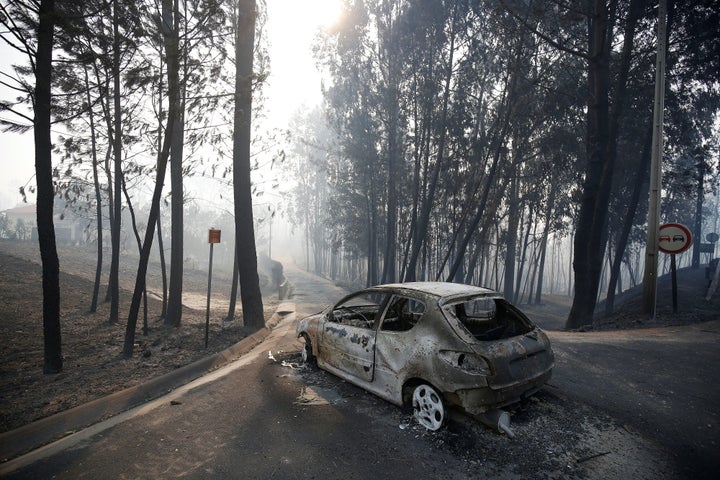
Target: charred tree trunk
117,162
163,268
544,242
171,49
511,242
640,186
147,244
233,290
53,362
98,202
591,231
244,229
139,245
161,246
171,36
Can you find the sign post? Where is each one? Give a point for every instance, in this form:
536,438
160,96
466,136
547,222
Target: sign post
674,238
213,238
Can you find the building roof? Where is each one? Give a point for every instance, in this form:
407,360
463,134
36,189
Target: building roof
22,209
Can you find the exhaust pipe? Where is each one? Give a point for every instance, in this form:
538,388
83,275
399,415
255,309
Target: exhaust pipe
497,420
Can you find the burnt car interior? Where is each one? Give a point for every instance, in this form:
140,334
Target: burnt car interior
359,311
489,319
402,314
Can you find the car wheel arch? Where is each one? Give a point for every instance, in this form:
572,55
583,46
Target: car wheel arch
409,386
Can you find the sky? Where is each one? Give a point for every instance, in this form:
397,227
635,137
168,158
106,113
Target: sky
293,84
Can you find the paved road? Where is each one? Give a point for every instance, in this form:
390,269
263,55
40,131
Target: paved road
616,408
665,383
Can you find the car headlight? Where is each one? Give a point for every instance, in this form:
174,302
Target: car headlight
467,362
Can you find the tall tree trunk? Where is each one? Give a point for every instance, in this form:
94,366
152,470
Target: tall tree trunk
117,154
523,257
111,211
233,289
544,241
697,229
163,267
638,188
53,362
591,231
614,128
512,236
171,20
171,49
148,241
174,314
244,229
389,274
98,201
136,232
161,246
372,270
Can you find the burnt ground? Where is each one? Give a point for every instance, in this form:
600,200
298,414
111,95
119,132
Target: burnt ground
92,362
692,286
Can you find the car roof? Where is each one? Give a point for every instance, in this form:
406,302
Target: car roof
440,289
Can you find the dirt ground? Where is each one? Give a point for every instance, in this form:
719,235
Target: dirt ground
92,362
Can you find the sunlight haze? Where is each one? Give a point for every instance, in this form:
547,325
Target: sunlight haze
293,84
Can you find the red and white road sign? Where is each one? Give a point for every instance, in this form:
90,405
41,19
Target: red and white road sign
674,238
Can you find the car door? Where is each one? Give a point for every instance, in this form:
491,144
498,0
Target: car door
348,335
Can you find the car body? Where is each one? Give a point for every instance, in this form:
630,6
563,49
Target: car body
431,344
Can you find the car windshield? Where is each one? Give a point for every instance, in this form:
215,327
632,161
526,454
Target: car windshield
360,310
488,318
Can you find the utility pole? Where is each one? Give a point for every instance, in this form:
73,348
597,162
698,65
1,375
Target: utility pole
651,248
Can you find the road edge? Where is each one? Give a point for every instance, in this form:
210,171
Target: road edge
31,436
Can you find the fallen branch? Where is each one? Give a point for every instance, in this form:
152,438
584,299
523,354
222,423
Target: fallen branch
590,457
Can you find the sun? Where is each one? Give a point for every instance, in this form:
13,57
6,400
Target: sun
292,18
292,29
326,12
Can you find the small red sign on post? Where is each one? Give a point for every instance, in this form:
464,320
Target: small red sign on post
214,236
674,238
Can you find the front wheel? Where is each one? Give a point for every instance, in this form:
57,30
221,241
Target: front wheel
306,353
428,407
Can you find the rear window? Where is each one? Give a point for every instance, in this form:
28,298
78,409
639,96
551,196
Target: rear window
488,318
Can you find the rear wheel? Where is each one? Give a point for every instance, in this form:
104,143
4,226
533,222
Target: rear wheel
428,407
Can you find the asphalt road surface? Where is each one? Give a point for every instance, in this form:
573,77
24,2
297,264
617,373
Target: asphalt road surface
620,405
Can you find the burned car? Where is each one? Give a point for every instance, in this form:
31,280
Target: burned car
431,345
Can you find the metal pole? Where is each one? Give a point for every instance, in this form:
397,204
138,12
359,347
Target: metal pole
651,247
207,310
673,269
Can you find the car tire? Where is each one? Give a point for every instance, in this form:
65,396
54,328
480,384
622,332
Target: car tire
428,407
306,353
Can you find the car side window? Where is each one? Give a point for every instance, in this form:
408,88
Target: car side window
402,314
359,310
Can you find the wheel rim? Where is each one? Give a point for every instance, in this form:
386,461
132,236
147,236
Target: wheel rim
428,407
